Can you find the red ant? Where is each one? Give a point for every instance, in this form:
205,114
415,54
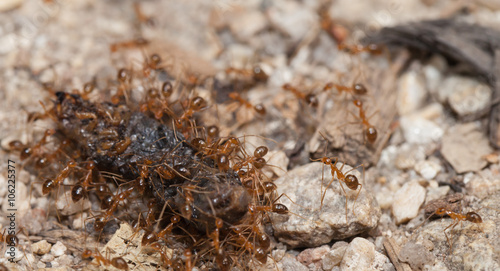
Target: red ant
358,88
117,262
349,180
256,73
310,99
457,217
50,184
259,108
373,49
370,131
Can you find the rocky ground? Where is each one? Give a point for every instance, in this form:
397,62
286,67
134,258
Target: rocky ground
427,151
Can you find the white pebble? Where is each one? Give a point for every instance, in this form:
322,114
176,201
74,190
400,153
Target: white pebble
411,93
361,255
58,249
407,202
428,169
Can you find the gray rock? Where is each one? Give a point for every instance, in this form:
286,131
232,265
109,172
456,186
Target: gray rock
361,255
464,147
309,224
312,255
407,202
411,93
289,263
419,130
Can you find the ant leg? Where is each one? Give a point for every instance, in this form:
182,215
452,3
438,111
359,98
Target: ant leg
452,225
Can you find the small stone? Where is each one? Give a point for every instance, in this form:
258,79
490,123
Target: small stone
66,206
483,184
314,224
415,255
244,25
41,248
14,253
418,130
465,95
407,202
47,258
293,19
428,169
65,260
288,262
464,147
361,255
312,255
411,93
58,249
408,155
334,256
6,5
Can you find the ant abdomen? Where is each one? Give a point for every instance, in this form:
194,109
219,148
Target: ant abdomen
473,217
279,209
371,134
352,182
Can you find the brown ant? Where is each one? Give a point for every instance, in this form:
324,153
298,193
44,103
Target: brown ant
310,99
256,73
259,108
50,184
370,131
357,89
457,217
349,180
373,49
117,262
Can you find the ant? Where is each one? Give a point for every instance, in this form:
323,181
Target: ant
50,184
117,262
358,88
373,49
349,180
457,217
370,131
256,73
310,99
196,104
259,108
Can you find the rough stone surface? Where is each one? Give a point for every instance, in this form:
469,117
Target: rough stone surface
419,130
58,249
407,202
411,93
416,255
315,224
312,255
334,256
428,169
41,248
474,246
361,255
486,183
464,148
66,206
466,95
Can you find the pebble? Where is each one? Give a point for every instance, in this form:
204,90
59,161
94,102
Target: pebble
293,19
419,130
244,25
47,258
466,95
416,255
334,256
6,5
58,249
312,255
407,202
408,155
41,247
464,147
66,206
483,184
433,73
411,93
314,226
288,262
361,255
14,253
428,168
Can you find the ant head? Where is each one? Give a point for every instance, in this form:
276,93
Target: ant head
473,217
326,160
352,182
